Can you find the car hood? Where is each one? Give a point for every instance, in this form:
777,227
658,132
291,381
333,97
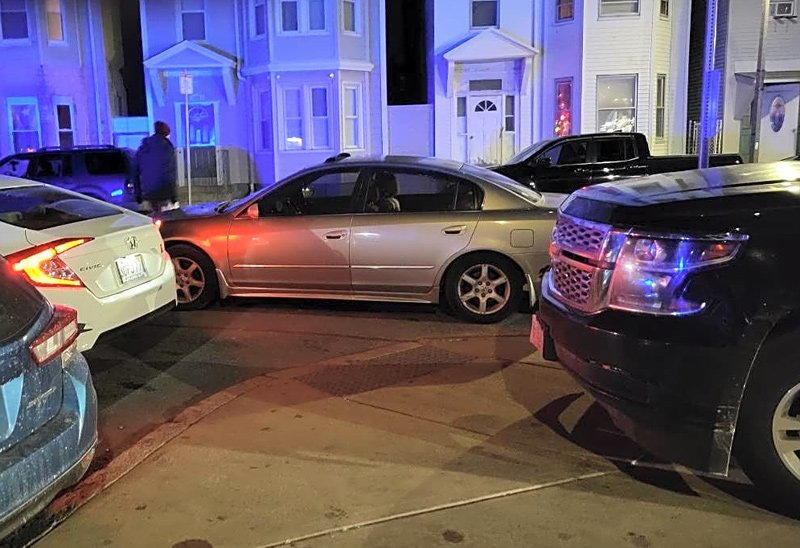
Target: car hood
190,211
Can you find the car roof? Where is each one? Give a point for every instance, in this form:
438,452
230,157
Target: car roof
399,161
7,181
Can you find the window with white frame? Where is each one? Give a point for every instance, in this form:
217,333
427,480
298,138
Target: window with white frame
563,113
349,16
65,123
293,126
55,20
484,13
258,18
619,7
782,8
565,10
13,20
663,8
193,19
351,116
509,114
316,15
289,15
265,120
661,105
202,123
24,124
461,114
320,126
616,103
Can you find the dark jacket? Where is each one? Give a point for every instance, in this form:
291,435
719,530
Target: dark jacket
156,169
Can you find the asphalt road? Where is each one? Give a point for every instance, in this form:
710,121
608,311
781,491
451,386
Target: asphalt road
378,425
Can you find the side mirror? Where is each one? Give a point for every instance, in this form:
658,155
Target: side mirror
252,212
307,192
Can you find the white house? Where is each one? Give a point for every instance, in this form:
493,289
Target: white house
278,85
506,73
738,45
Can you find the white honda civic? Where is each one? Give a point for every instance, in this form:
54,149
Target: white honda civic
106,262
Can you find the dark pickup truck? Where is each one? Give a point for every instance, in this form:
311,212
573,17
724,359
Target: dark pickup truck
566,164
674,301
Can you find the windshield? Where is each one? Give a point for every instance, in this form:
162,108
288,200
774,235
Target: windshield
41,207
504,182
530,151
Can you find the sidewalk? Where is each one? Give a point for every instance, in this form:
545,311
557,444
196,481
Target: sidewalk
423,446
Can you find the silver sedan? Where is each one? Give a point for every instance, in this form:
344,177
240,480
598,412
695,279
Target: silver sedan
391,229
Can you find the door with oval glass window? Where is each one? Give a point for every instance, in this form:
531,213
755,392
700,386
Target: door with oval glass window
779,122
485,129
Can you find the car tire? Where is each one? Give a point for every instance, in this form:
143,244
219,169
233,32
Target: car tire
195,277
483,288
767,441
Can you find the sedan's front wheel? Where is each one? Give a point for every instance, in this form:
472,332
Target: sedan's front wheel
195,277
483,288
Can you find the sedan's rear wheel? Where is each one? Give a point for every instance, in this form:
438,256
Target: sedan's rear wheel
483,288
195,277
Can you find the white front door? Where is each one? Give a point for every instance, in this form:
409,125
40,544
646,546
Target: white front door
780,113
484,128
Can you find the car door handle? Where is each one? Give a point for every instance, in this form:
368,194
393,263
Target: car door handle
335,235
452,230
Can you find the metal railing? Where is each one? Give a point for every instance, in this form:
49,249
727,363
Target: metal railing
693,138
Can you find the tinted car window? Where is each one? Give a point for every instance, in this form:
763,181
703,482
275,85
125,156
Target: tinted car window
42,207
395,191
327,194
613,150
52,165
105,163
20,304
568,153
15,166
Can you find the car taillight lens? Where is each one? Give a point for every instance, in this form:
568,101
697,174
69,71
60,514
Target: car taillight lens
651,272
43,266
57,338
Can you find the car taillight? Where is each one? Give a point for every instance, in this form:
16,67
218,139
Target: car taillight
43,266
57,338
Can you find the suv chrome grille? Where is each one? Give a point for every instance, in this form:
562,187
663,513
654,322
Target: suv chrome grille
572,283
579,237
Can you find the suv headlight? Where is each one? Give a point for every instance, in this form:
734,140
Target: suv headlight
652,271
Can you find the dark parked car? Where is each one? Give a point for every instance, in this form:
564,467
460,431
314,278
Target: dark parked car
102,172
674,301
48,406
566,164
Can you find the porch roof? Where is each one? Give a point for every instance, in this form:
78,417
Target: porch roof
490,45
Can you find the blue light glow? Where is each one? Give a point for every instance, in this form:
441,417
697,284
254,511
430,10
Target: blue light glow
117,193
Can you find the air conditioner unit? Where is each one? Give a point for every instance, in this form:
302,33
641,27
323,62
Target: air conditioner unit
782,9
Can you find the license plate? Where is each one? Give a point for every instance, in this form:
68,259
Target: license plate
131,268
537,334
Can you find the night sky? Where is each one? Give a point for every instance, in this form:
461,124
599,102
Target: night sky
405,43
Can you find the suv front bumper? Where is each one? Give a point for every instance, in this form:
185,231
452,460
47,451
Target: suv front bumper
678,400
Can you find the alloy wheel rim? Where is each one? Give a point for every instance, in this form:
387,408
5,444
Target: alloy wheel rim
484,289
189,278
786,430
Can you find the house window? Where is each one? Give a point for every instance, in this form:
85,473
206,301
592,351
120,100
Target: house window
55,21
616,103
563,114
193,19
461,114
316,15
258,17
13,20
352,116
290,16
509,114
65,121
484,13
486,85
619,7
293,130
202,124
23,121
349,16
265,120
782,8
661,110
664,8
320,127
565,10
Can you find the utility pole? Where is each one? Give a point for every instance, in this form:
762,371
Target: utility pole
709,103
756,107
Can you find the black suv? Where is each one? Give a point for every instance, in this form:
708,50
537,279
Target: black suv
102,172
674,300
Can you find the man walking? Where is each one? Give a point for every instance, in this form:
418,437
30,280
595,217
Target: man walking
157,170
